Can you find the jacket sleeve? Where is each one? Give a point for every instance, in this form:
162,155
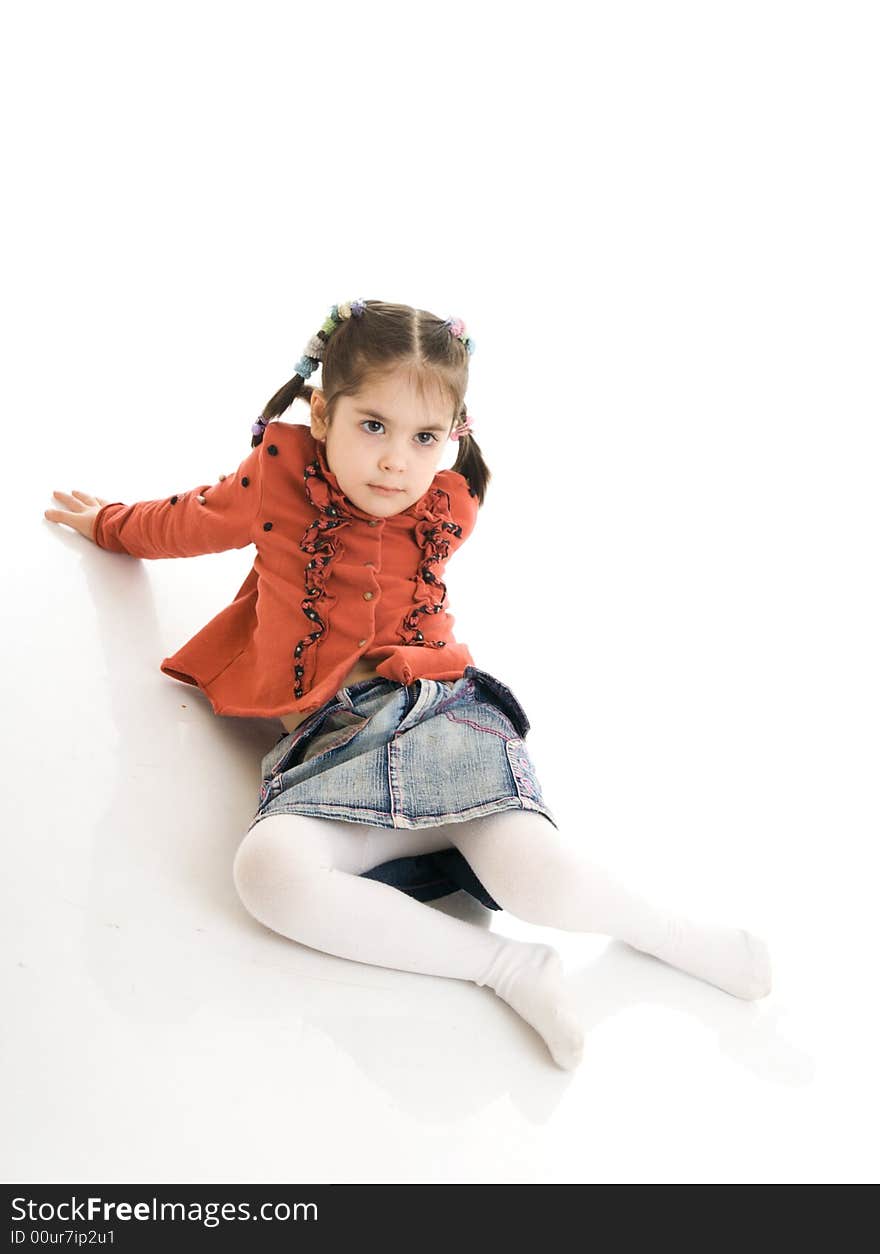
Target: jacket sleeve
206,519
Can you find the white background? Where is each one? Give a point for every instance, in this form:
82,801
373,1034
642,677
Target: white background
659,223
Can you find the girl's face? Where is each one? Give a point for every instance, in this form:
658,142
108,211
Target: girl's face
388,436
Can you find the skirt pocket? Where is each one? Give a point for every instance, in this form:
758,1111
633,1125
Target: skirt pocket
341,727
329,736
501,696
324,737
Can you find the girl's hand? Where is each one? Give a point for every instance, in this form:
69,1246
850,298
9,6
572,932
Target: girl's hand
80,514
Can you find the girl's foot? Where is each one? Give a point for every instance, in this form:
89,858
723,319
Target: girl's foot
530,978
730,958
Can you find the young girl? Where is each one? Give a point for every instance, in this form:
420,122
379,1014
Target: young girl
403,773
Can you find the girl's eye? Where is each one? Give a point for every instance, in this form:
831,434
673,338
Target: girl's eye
374,422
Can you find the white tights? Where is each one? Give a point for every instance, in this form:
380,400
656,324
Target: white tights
300,876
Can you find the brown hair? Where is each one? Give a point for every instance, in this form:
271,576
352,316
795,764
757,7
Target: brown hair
389,337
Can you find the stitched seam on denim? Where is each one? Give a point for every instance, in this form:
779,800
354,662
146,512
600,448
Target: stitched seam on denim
525,779
319,807
454,698
390,773
479,726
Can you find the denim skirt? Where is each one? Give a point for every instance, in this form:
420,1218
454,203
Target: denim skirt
409,756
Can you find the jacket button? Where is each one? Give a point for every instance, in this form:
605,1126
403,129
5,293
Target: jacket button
272,449
361,643
245,481
267,526
373,522
174,500
368,596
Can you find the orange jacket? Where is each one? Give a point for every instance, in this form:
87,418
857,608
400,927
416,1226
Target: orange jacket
329,583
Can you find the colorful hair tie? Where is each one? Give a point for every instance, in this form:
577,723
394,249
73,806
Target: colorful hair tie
313,353
457,432
456,327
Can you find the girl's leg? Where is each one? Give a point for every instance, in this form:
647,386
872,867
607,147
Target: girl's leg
531,870
300,876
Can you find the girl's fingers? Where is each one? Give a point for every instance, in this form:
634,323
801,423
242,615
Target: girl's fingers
70,501
77,499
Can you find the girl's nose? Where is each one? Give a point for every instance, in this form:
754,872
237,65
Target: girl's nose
392,460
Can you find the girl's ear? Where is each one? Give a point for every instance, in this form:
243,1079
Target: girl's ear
318,415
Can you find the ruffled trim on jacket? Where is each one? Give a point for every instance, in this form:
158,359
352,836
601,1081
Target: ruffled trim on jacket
434,526
321,541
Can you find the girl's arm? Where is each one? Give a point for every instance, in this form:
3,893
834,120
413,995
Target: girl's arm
207,519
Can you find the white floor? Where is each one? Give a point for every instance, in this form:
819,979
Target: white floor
153,1031
662,234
